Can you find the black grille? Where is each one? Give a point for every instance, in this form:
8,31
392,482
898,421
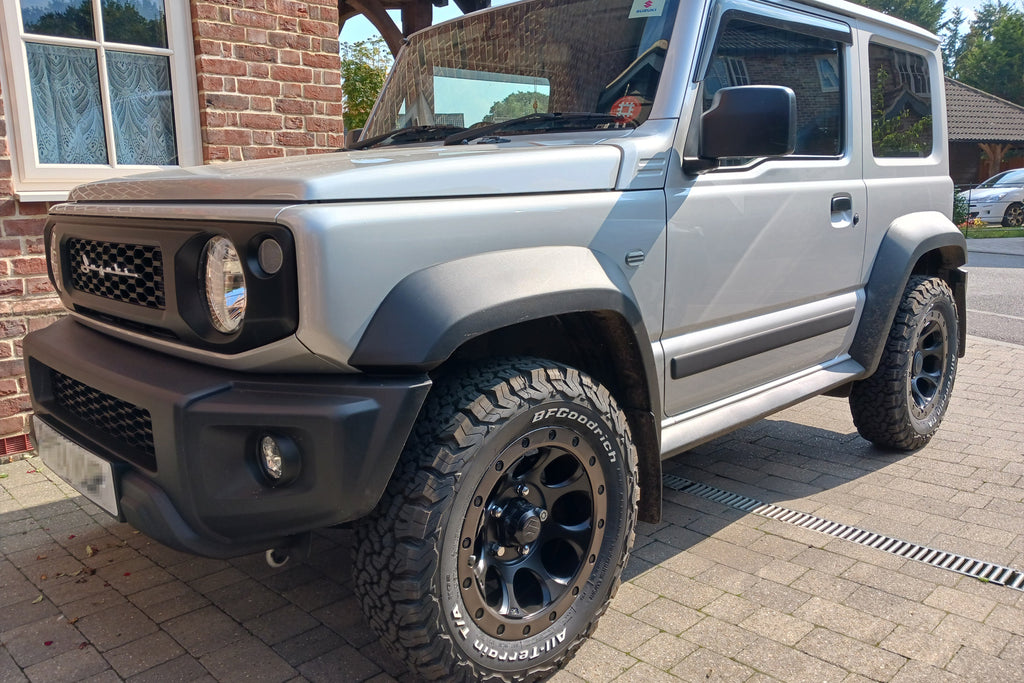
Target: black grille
132,273
120,420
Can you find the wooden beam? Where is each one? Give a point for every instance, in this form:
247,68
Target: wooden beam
995,152
375,11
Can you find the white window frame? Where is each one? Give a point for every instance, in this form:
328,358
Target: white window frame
35,181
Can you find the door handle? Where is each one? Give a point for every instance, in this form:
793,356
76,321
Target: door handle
841,209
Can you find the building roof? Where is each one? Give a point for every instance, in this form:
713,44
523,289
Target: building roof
976,116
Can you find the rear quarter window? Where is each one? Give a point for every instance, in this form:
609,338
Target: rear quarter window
901,102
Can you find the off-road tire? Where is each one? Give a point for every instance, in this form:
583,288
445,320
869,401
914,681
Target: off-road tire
1014,216
431,556
902,404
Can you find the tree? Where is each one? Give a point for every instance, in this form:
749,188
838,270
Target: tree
517,104
925,13
990,54
364,65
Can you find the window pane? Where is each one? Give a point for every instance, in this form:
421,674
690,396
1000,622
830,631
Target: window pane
748,53
901,105
140,97
135,22
67,18
66,104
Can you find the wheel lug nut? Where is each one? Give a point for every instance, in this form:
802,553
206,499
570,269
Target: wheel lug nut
497,549
495,511
543,514
523,490
525,550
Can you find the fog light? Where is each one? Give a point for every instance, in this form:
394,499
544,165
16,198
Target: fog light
279,460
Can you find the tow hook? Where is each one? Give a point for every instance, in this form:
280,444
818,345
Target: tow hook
278,557
298,546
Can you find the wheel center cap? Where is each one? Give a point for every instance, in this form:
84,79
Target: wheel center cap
523,522
918,363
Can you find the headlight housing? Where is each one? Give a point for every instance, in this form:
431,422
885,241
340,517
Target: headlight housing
225,285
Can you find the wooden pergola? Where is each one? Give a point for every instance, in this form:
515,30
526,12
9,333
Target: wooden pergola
416,15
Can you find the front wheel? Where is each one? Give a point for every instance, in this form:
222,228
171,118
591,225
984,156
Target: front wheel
902,404
506,526
1014,216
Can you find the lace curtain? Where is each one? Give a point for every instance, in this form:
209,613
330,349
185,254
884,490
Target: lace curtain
140,98
69,117
66,104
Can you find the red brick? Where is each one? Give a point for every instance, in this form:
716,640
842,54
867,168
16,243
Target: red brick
291,57
10,247
7,206
38,285
294,106
29,266
9,387
318,28
262,152
318,60
223,101
14,406
217,154
325,125
291,74
258,103
12,328
35,245
6,349
328,93
254,19
227,136
12,287
252,86
256,36
228,67
212,49
229,32
293,139
37,306
260,121
16,227
262,137
33,208
10,426
11,368
256,53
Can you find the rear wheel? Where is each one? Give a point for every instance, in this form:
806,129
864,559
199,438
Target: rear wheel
902,404
504,531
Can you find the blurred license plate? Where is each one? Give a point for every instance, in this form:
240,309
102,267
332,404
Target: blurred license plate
89,474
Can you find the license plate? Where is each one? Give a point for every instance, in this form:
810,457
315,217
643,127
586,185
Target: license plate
87,473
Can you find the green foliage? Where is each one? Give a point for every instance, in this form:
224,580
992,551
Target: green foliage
924,13
123,23
896,134
517,104
74,21
364,65
989,57
961,208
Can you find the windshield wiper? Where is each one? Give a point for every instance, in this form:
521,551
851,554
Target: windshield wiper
552,121
403,135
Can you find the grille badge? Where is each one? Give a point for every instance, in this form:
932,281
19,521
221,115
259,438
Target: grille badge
88,266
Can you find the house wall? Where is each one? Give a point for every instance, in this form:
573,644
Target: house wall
268,77
27,300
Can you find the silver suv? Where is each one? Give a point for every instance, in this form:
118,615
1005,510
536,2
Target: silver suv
576,237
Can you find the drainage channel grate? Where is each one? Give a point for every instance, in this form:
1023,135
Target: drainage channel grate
984,571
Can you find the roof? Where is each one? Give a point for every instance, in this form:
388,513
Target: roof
976,116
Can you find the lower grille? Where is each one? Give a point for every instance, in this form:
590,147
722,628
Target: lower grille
123,422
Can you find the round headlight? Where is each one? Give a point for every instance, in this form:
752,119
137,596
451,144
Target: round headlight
225,285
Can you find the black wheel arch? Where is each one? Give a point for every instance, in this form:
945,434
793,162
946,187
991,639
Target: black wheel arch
925,243
569,304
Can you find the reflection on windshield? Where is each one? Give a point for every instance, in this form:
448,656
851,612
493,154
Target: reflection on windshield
535,57
1006,178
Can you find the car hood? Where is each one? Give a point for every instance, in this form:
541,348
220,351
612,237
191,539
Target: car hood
986,194
373,174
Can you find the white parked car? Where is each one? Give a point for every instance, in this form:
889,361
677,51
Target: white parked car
1000,199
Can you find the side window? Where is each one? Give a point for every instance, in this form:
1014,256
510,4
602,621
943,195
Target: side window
901,104
749,53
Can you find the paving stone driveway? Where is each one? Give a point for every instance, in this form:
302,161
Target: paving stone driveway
710,594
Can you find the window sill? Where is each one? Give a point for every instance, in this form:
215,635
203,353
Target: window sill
41,196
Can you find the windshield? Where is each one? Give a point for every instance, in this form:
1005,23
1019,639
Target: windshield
534,57
1005,179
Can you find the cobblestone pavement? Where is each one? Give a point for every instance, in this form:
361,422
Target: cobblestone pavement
711,593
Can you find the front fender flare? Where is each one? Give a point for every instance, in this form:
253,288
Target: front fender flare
908,239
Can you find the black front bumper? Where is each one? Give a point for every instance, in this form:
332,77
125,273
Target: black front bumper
183,438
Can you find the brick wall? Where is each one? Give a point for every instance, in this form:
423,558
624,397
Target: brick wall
269,77
27,301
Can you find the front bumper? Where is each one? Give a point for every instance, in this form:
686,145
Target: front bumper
183,438
988,212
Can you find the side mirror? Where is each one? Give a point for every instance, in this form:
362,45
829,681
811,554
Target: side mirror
352,136
749,121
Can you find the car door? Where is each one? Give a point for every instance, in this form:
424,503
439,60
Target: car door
765,255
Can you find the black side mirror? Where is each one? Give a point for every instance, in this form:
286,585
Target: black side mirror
749,121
